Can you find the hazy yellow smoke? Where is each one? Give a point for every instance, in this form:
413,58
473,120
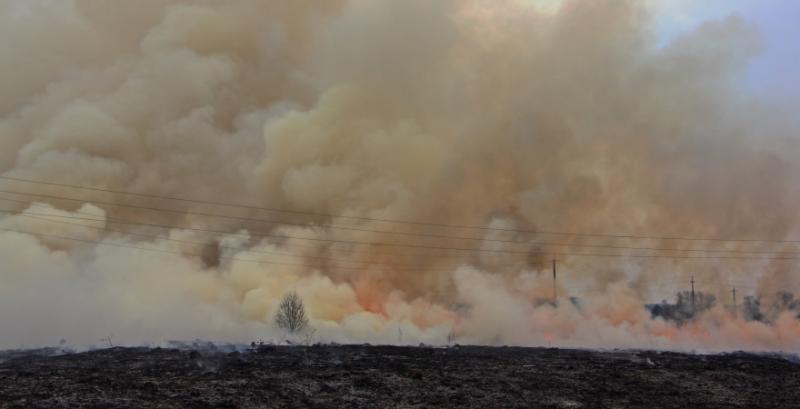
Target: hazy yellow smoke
475,112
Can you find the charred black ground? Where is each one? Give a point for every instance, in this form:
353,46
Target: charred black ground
395,377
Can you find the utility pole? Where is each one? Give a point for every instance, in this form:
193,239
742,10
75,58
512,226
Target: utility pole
555,294
734,300
692,295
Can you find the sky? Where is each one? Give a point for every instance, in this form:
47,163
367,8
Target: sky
775,70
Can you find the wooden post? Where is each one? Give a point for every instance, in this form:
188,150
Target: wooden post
555,293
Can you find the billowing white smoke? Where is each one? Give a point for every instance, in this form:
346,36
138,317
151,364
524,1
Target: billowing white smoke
472,112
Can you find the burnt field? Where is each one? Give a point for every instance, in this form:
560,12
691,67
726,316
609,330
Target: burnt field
394,377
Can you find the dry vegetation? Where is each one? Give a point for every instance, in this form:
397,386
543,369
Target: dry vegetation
395,377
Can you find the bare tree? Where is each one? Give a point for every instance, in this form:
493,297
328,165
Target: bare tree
291,315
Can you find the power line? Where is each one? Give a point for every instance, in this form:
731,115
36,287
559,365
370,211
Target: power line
222,216
250,219
247,235
242,206
286,236
542,253
47,218
606,246
104,243
328,215
222,247
534,244
183,254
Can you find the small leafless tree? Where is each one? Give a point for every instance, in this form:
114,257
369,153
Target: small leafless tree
291,315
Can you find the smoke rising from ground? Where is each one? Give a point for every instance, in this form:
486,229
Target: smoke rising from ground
457,112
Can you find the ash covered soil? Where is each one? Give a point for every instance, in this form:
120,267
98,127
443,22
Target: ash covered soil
395,377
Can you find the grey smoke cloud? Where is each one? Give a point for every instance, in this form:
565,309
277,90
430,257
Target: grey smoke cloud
464,113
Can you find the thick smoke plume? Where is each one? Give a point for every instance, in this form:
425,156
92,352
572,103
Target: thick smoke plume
481,113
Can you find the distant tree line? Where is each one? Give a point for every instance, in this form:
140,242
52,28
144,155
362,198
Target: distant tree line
688,306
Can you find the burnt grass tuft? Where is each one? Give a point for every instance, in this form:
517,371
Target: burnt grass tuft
395,377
